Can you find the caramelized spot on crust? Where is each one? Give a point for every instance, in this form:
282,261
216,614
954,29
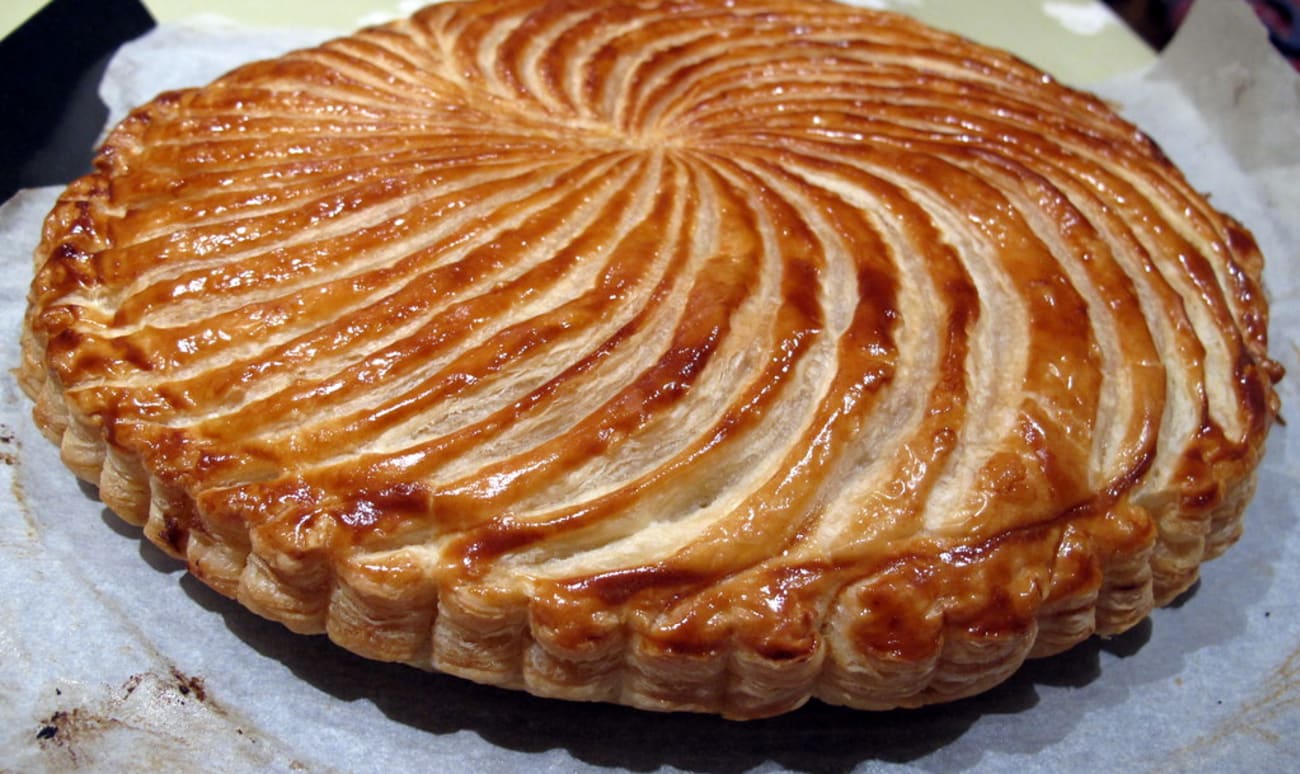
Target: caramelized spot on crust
686,354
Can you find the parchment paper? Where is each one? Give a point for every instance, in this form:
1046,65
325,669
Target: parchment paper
113,659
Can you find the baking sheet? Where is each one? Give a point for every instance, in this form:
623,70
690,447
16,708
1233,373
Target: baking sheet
114,659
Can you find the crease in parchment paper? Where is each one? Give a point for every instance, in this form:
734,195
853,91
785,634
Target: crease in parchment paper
97,625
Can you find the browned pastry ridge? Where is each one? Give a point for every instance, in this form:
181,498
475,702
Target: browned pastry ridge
689,355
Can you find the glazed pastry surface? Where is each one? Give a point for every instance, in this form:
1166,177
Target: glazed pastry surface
690,355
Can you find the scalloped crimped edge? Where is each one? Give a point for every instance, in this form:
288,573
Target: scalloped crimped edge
391,608
394,606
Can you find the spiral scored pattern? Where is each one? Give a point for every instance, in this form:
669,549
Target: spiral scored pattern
691,355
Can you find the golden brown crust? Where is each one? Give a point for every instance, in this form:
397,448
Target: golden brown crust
680,355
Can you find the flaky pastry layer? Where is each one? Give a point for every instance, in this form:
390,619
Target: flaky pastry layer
689,355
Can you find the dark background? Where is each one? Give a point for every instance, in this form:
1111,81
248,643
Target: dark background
50,67
1154,20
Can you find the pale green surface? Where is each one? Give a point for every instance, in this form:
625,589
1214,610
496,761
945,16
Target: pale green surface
1023,26
15,12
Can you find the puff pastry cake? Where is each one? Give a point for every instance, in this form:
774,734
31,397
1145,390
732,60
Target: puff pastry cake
692,355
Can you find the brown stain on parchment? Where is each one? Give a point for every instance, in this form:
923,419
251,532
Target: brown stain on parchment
10,451
11,455
66,734
1283,697
8,446
155,721
1256,718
